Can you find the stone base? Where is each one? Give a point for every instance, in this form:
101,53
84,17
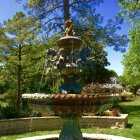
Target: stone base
20,125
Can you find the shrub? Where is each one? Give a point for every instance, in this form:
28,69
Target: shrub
9,112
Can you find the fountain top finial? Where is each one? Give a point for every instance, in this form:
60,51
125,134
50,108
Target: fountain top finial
69,28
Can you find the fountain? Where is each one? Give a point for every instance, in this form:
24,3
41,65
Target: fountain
70,103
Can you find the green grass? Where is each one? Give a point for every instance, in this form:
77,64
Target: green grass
132,131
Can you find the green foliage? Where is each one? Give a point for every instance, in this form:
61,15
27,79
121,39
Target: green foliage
53,14
33,63
131,61
10,112
130,10
88,26
116,103
104,108
94,69
18,53
94,73
113,73
131,76
3,85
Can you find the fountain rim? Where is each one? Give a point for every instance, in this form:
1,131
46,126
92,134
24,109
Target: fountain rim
69,37
51,96
69,40
109,137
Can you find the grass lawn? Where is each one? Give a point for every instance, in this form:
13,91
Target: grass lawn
132,131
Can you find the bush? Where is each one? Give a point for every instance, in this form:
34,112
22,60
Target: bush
10,112
1,114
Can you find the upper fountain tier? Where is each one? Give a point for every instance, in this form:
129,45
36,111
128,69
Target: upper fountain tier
69,39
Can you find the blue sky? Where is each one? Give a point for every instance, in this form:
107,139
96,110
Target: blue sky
108,9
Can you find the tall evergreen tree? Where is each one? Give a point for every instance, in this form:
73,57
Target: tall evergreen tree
53,13
17,40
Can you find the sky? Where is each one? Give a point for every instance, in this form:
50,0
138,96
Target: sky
108,9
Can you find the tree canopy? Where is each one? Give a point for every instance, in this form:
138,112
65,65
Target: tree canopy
53,14
130,10
131,61
17,39
131,76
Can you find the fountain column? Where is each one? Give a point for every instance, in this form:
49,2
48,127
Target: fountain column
71,129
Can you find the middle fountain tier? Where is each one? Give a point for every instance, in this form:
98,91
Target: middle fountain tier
70,62
70,104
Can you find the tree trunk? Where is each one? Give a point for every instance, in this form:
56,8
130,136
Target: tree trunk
66,10
19,79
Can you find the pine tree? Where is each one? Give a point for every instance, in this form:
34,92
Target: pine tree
17,46
53,13
130,11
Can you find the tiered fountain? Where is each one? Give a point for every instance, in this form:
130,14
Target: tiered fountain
69,104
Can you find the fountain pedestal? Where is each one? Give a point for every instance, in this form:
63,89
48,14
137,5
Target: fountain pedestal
71,129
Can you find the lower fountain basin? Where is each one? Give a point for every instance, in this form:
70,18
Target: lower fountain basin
61,104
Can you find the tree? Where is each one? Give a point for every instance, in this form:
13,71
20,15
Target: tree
130,13
94,68
41,81
53,14
2,85
131,61
130,10
113,73
17,40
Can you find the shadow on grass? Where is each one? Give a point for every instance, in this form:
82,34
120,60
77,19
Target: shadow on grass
132,109
129,125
